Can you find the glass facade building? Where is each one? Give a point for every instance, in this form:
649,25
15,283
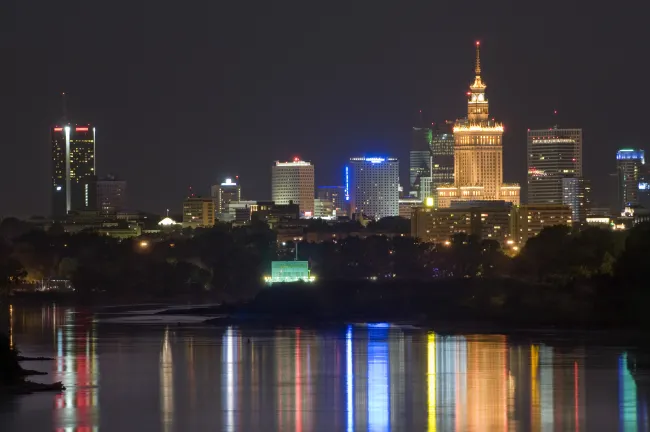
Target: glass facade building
372,186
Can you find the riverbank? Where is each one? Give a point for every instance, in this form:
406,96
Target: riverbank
497,303
12,374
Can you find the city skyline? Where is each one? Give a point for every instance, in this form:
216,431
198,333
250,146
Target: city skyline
305,106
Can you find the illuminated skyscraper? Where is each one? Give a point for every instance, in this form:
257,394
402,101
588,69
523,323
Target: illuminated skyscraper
372,186
294,182
73,168
576,193
629,164
442,156
420,162
225,193
553,155
478,153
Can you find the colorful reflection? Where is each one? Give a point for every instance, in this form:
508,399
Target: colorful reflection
358,378
77,366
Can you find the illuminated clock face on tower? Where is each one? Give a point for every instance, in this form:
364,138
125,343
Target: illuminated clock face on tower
474,97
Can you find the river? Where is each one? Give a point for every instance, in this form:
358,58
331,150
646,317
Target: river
196,377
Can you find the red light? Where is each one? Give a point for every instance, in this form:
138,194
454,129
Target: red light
81,129
478,43
469,93
58,129
296,159
555,112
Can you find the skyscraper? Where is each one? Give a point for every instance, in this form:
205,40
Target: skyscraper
111,195
294,182
420,161
225,193
442,155
372,186
576,193
629,165
553,155
73,168
478,153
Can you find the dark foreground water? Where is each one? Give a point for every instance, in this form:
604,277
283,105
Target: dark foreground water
357,378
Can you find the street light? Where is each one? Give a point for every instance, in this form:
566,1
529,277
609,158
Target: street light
144,244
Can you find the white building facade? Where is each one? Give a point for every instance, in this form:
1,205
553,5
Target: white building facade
294,182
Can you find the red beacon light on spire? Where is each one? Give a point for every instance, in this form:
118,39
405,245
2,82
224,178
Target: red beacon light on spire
296,159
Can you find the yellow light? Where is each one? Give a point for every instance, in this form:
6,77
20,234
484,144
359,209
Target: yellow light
429,202
144,244
477,128
515,248
510,242
447,243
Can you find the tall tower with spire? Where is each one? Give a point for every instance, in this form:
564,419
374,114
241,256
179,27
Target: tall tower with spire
73,166
478,152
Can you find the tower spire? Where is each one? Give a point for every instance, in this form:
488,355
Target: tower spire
478,58
65,108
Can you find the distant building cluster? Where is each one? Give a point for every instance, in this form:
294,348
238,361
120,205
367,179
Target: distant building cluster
455,185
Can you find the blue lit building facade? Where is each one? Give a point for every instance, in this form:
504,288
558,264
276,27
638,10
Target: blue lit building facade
372,186
629,166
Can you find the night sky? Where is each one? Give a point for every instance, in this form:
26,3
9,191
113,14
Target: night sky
186,93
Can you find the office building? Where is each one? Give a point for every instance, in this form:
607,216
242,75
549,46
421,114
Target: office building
372,186
274,214
531,219
406,206
553,155
485,219
420,160
198,212
294,182
324,209
225,193
644,187
73,168
629,165
110,195
334,194
238,212
576,193
478,153
442,157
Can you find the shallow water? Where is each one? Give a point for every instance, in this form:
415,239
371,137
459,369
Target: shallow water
159,377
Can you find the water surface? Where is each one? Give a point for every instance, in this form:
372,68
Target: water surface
193,377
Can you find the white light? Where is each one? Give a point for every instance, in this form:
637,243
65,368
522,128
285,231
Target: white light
58,188
167,222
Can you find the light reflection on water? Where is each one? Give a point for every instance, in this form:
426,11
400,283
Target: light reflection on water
357,378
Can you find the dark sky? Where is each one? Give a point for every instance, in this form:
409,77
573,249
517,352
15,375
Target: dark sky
185,93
